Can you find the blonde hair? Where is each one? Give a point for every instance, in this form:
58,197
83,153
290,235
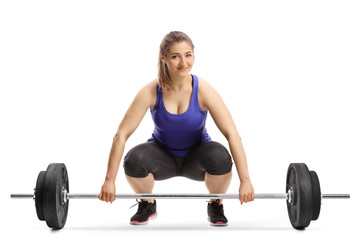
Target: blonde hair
165,82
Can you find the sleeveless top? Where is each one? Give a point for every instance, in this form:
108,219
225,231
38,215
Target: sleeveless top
179,133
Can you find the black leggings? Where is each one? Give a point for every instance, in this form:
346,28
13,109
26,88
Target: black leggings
211,157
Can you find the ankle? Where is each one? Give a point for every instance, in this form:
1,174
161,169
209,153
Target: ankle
148,200
219,201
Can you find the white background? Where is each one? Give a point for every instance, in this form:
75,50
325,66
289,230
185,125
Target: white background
287,70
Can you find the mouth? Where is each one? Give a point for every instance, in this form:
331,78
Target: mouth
182,69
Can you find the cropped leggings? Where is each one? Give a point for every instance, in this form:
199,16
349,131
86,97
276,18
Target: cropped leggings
211,157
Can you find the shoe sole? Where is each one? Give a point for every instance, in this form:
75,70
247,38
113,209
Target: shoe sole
145,222
217,224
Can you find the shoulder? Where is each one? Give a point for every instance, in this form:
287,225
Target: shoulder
207,95
205,89
148,92
150,88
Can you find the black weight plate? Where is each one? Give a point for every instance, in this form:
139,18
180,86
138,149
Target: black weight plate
56,179
39,195
300,210
316,195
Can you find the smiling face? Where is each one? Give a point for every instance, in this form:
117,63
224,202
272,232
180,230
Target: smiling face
179,59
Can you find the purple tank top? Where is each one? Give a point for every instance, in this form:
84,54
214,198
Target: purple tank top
179,133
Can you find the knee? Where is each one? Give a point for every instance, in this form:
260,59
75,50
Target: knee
218,159
135,163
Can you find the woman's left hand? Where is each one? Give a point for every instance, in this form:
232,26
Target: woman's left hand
246,192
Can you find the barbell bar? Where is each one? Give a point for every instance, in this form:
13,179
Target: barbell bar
303,195
181,196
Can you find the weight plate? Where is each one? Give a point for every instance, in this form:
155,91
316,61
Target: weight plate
39,196
299,210
55,211
316,195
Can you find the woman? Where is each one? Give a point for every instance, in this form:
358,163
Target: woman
180,145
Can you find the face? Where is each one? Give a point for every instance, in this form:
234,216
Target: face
180,59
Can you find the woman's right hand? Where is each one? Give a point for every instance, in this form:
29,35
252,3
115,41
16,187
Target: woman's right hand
108,191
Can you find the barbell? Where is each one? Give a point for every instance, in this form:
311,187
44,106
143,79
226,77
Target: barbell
303,195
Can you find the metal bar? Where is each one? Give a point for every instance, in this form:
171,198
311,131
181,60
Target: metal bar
164,196
335,196
181,196
185,196
22,195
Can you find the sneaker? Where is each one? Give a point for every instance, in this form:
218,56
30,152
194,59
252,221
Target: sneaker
146,211
216,215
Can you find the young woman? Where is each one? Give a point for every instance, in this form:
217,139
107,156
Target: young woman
180,145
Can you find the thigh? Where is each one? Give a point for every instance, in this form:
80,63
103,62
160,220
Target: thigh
211,157
149,157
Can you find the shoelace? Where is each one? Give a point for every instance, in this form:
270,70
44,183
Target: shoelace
135,204
216,208
143,206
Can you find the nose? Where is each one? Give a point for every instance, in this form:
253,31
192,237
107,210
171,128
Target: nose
183,62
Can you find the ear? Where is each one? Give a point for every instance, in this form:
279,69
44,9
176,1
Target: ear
162,58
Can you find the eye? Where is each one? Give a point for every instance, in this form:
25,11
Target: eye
174,57
189,55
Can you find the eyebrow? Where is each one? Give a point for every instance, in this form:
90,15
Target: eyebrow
179,53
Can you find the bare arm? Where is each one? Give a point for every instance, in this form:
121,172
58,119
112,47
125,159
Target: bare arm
211,100
143,101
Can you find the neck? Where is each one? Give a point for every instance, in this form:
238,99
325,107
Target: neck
181,82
